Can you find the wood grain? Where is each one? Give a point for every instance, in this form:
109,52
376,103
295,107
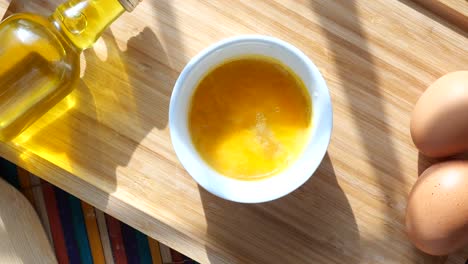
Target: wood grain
108,142
22,237
454,11
3,6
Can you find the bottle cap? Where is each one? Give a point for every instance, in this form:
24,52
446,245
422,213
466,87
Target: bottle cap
129,5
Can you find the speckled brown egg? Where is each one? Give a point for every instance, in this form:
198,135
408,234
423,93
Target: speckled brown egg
439,123
437,211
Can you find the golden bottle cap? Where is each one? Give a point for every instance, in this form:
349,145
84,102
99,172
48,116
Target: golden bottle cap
129,5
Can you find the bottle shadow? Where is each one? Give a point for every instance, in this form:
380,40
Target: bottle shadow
309,218
86,143
94,132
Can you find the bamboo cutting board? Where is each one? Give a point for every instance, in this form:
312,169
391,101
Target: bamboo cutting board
108,142
454,11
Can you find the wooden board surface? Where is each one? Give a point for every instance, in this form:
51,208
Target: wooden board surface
108,142
3,6
22,236
454,11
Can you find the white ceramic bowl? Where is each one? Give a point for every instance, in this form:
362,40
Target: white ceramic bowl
289,179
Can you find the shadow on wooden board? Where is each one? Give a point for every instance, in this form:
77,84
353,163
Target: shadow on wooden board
363,65
96,129
451,13
313,224
302,227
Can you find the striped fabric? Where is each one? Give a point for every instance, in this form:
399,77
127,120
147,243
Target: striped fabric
81,233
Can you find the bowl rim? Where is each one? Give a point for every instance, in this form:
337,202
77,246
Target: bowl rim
325,133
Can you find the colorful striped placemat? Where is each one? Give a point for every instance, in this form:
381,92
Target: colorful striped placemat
81,233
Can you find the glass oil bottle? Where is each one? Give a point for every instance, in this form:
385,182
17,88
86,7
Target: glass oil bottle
40,57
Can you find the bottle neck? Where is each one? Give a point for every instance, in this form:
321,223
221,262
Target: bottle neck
83,21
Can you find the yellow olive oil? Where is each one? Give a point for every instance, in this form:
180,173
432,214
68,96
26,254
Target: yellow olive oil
39,58
250,117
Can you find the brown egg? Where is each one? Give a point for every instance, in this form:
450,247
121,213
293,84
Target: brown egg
437,212
439,124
